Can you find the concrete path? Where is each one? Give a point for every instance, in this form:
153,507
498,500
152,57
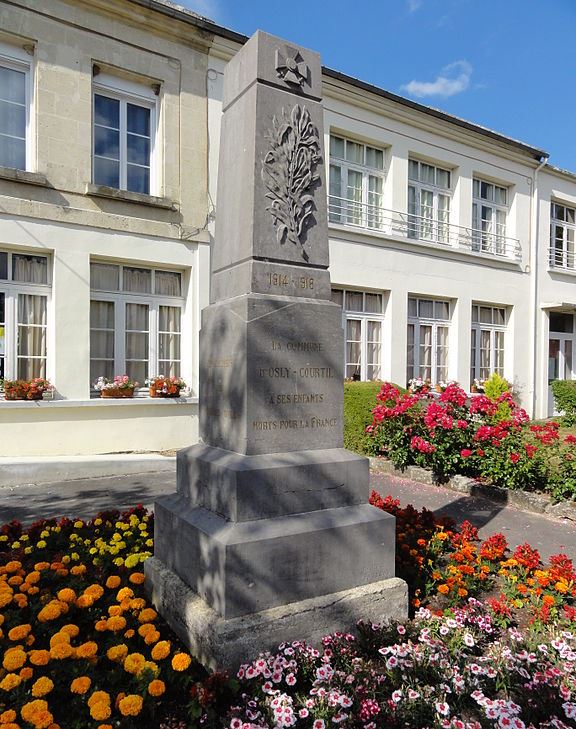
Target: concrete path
83,498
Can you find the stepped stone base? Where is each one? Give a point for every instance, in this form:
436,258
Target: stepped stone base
225,644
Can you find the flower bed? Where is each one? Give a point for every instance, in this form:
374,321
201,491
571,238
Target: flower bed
491,439
81,647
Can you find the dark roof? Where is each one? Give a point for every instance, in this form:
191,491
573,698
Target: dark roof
179,12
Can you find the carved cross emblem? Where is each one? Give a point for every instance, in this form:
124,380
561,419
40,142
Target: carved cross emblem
291,67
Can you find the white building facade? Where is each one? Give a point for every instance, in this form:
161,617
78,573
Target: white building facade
451,246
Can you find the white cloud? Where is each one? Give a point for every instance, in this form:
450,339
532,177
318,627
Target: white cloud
414,5
452,79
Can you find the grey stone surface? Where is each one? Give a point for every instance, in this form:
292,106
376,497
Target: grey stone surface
244,567
244,488
222,643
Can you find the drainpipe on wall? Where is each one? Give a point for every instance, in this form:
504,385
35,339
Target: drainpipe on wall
534,248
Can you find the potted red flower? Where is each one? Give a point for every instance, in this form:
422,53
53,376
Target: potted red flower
161,386
33,389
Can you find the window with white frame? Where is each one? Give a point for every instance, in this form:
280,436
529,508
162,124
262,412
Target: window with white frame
428,336
124,135
135,322
428,202
487,341
562,235
15,116
489,211
363,315
356,183
24,292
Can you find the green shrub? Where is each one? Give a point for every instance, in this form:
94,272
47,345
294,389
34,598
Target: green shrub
494,387
564,392
359,401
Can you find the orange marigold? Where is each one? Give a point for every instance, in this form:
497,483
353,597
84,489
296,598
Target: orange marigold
101,626
59,637
80,685
96,591
51,611
134,663
39,658
26,673
113,582
137,578
14,658
60,651
85,601
156,687
8,716
72,630
100,711
114,610
152,637
125,593
131,705
443,589
147,615
36,713
181,661
10,681
116,623
87,650
41,687
20,600
78,569
19,632
117,652
13,566
33,577
41,566
161,650
143,630
99,697
67,594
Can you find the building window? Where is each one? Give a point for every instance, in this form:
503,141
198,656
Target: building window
363,314
428,202
487,341
428,334
356,183
24,291
562,234
135,322
14,108
489,210
124,136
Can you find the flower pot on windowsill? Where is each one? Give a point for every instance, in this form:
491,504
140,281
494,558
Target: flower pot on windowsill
473,388
113,392
163,391
439,389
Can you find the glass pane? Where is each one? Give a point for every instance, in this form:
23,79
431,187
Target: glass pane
32,310
106,111
337,296
104,277
354,301
138,149
557,212
169,320
101,368
427,174
500,195
107,142
168,283
373,303
136,345
412,307
476,188
353,329
101,345
13,153
474,314
106,172
570,215
102,315
561,322
137,317
355,152
12,85
486,191
169,369
31,341
441,310
29,368
485,315
138,371
412,170
337,147
138,280
410,350
169,346
374,158
443,178
138,119
12,119
335,180
29,269
553,359
425,308
568,359
354,195
138,179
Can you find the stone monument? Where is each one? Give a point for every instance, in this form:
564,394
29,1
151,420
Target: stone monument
270,536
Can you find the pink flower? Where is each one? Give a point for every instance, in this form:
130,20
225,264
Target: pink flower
319,724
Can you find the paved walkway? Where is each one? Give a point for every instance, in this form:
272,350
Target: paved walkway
83,498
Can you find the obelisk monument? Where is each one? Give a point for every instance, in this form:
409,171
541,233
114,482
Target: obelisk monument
270,536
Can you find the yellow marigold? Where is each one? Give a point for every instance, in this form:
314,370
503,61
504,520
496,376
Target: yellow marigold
181,661
116,623
8,716
114,610
117,652
10,681
131,705
41,687
99,697
156,687
561,587
96,591
134,663
87,650
152,667
147,615
78,569
14,659
51,611
113,582
60,651
100,711
152,637
59,637
67,594
125,592
80,685
137,578
161,650
143,630
85,601
13,566
26,673
39,658
72,630
20,632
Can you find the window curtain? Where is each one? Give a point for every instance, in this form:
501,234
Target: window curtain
31,336
167,283
101,340
441,354
137,342
104,277
484,354
374,355
137,280
30,269
169,341
426,352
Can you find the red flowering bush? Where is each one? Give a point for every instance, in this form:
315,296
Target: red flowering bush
483,437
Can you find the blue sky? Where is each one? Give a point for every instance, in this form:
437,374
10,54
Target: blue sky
509,65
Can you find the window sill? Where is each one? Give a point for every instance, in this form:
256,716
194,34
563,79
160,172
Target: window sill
112,193
28,178
101,402
561,270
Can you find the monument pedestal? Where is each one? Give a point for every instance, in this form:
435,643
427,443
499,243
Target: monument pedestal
220,643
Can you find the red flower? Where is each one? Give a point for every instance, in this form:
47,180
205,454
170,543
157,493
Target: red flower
466,452
514,457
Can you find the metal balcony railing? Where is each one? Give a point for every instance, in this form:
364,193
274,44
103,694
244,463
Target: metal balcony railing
417,227
562,258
